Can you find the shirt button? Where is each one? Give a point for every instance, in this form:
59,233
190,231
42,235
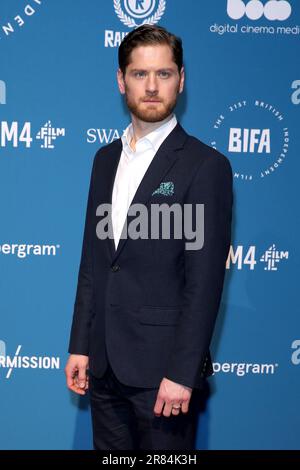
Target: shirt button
115,268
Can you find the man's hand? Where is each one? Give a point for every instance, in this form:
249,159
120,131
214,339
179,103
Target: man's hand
76,373
169,394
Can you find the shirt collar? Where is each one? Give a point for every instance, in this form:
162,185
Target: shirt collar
152,140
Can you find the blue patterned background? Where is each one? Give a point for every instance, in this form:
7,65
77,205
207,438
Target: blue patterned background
55,67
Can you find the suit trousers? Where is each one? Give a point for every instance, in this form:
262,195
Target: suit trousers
123,418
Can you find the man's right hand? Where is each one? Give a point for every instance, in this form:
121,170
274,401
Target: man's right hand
76,373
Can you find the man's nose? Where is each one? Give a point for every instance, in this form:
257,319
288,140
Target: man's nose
151,84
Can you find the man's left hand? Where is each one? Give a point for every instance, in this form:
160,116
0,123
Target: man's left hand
170,396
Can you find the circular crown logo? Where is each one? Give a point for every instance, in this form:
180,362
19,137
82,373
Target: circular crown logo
139,10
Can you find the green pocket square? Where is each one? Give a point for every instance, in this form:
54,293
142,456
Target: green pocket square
166,189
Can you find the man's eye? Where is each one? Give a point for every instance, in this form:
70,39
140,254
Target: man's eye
164,74
139,74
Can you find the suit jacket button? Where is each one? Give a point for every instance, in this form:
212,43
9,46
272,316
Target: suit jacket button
115,268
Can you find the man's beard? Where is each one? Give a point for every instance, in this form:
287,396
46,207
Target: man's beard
151,113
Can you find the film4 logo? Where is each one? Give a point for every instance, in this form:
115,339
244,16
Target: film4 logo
242,257
273,10
16,134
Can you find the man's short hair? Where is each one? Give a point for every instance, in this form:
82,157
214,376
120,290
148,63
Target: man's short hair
149,35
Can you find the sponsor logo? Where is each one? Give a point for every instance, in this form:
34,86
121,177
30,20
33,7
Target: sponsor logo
254,136
23,250
103,136
240,369
296,94
18,361
17,134
48,134
296,353
134,13
2,348
246,257
2,92
273,10
139,12
272,257
9,26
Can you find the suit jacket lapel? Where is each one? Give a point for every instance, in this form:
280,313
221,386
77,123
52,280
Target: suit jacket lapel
161,163
113,158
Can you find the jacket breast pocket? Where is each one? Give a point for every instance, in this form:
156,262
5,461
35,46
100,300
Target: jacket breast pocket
160,316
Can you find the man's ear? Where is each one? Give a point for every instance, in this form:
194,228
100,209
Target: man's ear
121,81
182,77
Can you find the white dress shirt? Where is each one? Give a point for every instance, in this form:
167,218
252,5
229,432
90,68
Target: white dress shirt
131,169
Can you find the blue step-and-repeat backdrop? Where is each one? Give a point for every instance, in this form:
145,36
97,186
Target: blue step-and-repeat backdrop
59,103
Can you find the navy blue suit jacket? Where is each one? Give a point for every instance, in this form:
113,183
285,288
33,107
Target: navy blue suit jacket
150,306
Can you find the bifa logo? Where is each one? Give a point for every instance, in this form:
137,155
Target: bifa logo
134,13
249,140
16,134
2,92
273,10
255,137
18,18
18,361
246,257
103,136
296,353
296,93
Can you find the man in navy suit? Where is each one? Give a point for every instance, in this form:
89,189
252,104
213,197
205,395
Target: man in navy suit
146,305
